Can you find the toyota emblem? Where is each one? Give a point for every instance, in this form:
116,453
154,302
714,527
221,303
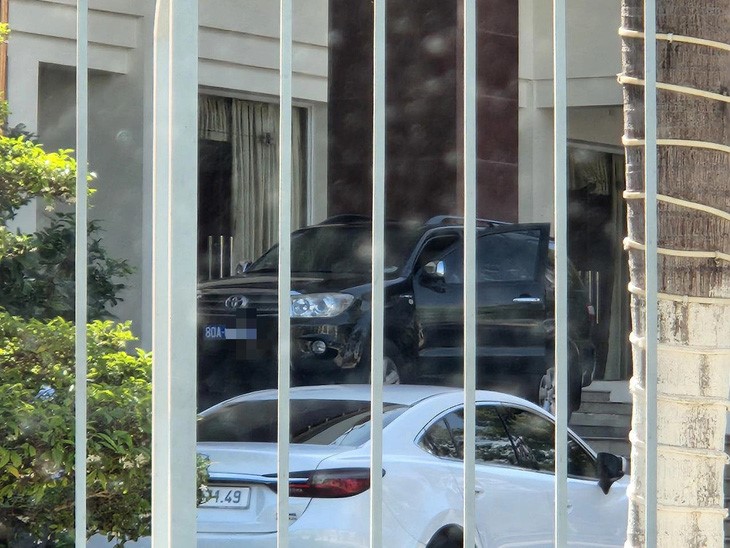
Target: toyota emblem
236,301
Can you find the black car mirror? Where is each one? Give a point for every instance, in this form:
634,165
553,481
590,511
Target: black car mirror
242,267
435,269
610,469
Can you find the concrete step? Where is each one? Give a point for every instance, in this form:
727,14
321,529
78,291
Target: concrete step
588,431
595,395
580,418
608,408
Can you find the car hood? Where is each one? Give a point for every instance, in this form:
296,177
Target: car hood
309,282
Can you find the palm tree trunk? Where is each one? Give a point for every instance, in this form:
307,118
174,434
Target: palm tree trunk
694,302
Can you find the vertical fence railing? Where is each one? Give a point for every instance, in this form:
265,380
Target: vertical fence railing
174,273
80,316
378,269
560,165
175,141
470,288
650,265
284,289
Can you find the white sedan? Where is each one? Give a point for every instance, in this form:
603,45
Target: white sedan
423,488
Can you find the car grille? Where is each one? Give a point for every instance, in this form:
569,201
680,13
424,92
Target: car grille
215,303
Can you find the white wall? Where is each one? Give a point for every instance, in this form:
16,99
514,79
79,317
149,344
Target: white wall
238,56
594,96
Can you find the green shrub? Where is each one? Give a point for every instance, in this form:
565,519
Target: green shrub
37,272
37,431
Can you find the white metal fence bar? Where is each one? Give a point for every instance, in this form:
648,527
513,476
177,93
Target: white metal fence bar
378,284
560,120
284,289
80,316
160,251
470,289
174,257
650,265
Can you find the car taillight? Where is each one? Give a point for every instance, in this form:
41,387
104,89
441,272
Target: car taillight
335,483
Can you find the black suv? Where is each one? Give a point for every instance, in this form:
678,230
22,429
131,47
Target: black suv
330,311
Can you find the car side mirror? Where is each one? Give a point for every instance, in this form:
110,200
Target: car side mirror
610,469
435,269
242,267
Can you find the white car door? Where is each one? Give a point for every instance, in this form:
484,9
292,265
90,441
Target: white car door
511,508
594,519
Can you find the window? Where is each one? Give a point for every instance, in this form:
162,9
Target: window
438,441
533,438
445,438
502,257
316,422
508,256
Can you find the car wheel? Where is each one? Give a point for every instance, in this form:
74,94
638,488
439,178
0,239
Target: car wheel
546,393
392,367
448,538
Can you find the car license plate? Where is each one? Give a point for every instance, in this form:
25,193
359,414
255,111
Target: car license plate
214,332
227,497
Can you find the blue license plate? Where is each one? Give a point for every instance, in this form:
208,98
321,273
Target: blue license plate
214,332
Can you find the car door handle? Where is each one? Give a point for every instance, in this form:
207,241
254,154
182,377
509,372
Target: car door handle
526,299
478,489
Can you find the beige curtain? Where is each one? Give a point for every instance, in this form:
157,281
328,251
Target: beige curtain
255,180
590,170
214,118
618,360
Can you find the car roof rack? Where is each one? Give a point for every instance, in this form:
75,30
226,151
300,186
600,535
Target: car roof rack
346,218
442,220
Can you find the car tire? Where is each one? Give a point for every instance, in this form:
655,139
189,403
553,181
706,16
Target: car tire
447,538
546,393
393,366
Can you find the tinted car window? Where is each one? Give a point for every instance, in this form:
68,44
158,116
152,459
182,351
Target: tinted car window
580,462
492,443
533,437
445,438
437,440
508,256
501,257
317,422
341,249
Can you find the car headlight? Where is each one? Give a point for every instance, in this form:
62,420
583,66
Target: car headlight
320,305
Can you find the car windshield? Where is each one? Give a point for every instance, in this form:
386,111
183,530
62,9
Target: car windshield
316,422
341,249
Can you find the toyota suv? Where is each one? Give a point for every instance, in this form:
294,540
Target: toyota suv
331,316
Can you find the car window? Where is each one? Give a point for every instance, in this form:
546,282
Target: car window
341,249
434,249
533,437
508,256
502,257
316,422
580,462
445,438
438,441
